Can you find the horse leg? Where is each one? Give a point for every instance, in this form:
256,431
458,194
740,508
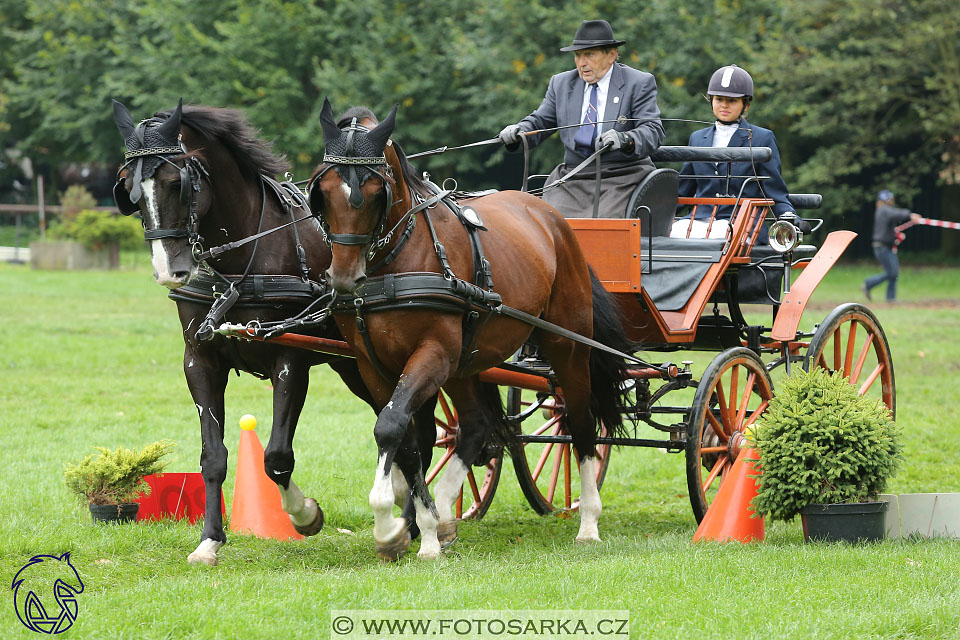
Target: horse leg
426,370
477,421
426,429
290,378
570,362
207,381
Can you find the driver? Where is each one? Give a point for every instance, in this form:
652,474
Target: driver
730,92
599,90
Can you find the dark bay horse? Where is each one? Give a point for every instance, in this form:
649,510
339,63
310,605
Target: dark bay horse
200,174
366,194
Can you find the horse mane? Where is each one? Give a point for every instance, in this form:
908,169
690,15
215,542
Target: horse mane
232,129
359,112
410,174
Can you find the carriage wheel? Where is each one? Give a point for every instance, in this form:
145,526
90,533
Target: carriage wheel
733,392
547,472
481,482
850,340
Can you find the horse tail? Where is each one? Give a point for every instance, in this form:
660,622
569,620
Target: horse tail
502,432
608,397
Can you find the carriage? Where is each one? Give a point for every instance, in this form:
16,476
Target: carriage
678,296
203,175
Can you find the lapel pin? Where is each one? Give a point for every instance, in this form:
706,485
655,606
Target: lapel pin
616,99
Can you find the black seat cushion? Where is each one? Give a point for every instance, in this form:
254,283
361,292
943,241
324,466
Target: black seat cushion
654,201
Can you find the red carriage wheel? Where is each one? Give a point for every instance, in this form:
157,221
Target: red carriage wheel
478,490
851,340
733,392
548,473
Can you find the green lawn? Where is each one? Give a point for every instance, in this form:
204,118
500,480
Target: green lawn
94,359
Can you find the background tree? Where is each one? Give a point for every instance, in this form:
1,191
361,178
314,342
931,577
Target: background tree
860,93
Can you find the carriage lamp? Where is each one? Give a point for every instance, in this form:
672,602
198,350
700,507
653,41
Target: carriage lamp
784,236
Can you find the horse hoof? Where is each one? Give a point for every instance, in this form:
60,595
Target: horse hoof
447,533
201,557
314,527
395,549
588,540
206,553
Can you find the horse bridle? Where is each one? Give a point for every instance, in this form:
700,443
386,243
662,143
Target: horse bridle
191,174
349,164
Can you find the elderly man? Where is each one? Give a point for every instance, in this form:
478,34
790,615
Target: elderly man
596,94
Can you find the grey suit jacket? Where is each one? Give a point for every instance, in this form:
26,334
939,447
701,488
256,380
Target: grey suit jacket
632,94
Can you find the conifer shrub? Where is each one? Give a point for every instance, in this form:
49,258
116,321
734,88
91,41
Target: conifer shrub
116,477
820,442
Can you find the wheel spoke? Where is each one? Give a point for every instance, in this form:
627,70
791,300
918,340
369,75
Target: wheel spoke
473,486
864,352
756,414
451,418
557,461
717,427
717,468
722,403
567,485
732,396
837,341
440,464
871,379
851,344
745,400
542,461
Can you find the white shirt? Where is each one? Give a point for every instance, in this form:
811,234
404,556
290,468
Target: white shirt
723,133
603,84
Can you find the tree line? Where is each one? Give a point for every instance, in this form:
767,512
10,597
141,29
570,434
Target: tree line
861,94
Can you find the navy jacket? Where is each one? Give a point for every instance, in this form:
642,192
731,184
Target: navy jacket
774,188
632,94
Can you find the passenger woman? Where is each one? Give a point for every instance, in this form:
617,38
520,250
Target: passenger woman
730,92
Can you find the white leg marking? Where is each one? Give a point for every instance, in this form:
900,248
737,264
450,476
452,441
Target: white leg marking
300,511
448,488
386,526
191,360
589,501
427,521
200,410
285,372
400,488
205,553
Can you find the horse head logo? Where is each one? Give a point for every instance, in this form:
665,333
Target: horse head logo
40,578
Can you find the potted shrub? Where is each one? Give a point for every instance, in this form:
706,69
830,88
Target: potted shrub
825,453
111,481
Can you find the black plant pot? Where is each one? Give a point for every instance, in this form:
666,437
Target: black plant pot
853,522
114,512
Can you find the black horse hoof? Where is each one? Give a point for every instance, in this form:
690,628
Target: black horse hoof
314,527
395,549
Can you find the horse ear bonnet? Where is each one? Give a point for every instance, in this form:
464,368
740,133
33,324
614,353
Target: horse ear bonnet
157,133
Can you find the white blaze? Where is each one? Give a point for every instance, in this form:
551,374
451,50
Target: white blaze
161,262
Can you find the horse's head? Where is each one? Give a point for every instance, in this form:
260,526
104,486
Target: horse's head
161,181
353,201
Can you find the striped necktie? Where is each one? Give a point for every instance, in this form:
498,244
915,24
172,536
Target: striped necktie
587,133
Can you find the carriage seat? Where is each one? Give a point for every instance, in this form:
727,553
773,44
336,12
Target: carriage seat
654,202
678,267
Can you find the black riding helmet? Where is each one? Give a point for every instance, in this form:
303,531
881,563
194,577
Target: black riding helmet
731,81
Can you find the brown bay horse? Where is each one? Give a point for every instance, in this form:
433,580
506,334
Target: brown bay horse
205,176
365,195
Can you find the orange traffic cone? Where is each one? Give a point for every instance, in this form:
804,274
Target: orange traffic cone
256,499
728,518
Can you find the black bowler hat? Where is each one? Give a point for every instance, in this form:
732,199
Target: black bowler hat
593,34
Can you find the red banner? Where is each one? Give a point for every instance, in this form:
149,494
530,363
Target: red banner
175,495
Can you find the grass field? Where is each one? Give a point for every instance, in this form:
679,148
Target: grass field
94,359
